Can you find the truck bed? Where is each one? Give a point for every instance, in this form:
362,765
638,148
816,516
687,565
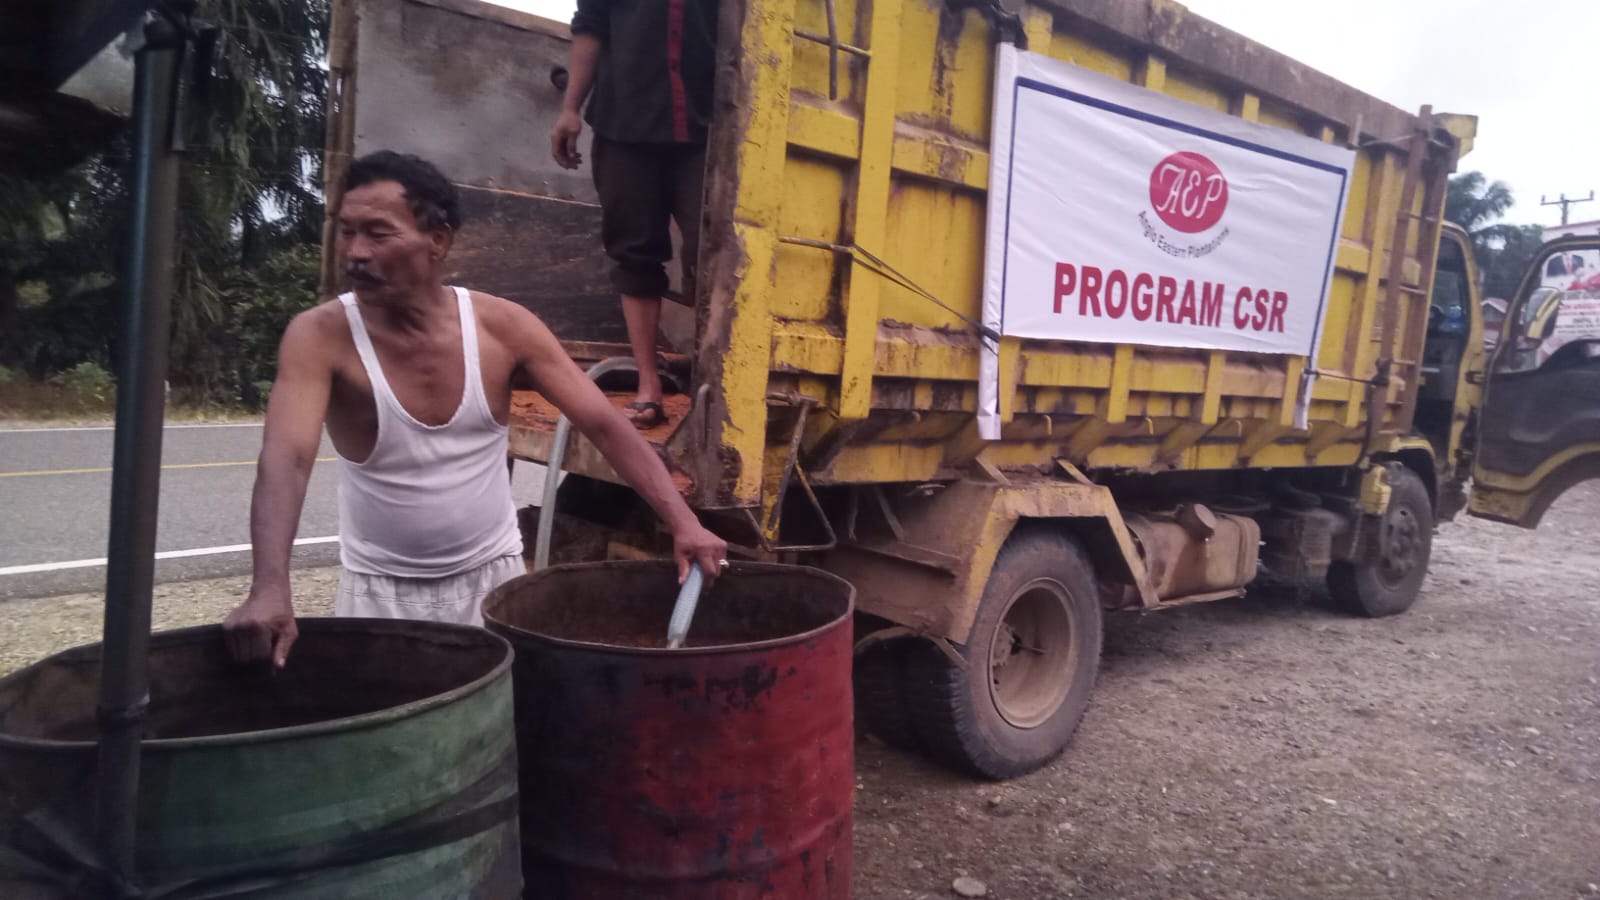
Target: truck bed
533,426
826,154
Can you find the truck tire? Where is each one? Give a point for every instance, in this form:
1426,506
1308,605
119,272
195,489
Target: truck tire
1388,581
1031,661
880,691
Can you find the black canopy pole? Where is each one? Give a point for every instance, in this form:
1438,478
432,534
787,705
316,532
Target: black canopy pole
136,465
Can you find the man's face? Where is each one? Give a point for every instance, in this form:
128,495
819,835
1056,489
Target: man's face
384,251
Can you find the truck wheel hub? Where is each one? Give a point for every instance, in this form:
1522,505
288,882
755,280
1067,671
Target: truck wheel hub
1032,657
1399,546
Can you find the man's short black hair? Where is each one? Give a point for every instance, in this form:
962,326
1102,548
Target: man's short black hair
433,198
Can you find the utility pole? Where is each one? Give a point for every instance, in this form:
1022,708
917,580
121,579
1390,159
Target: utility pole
1564,203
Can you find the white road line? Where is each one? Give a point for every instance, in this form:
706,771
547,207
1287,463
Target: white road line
112,428
165,554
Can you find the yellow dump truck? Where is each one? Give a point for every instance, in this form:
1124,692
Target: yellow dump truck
849,398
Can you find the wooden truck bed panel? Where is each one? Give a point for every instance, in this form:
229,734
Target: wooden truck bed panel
533,426
467,85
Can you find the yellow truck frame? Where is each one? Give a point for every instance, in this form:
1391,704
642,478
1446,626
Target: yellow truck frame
830,368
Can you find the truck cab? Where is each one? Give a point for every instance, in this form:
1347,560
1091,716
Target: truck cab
1539,426
1514,413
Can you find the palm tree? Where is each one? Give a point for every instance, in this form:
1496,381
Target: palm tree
37,221
1474,202
256,186
27,211
1518,245
250,187
1502,250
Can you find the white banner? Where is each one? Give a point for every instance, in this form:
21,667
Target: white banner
1578,319
1120,215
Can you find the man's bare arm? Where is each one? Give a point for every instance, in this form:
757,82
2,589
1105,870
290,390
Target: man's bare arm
581,64
565,385
263,626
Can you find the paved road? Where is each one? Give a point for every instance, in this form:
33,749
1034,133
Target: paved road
55,488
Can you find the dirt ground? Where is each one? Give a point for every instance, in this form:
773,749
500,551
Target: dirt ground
1272,747
1264,747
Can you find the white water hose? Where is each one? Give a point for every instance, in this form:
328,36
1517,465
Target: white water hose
558,453
683,610
689,595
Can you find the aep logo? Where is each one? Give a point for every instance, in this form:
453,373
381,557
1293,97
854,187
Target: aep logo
1188,191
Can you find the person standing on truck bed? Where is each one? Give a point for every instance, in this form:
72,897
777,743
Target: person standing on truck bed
413,380
650,65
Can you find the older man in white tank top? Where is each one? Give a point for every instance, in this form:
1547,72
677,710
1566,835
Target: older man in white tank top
413,381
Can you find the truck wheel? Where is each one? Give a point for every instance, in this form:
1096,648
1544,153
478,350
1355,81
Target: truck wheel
1031,662
1388,581
880,690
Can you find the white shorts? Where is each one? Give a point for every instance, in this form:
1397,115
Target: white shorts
457,598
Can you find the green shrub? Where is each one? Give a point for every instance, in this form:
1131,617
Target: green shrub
263,301
85,386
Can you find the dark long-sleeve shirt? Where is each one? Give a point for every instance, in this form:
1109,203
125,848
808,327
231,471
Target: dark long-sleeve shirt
656,68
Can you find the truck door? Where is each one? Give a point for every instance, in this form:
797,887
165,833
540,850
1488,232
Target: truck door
1452,368
1539,432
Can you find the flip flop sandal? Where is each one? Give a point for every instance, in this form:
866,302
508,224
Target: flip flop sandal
650,414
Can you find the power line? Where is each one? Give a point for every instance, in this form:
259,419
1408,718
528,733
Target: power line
1564,203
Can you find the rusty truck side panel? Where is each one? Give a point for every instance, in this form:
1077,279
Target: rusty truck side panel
926,570
880,143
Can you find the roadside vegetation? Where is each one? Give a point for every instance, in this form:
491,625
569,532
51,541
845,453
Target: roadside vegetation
248,236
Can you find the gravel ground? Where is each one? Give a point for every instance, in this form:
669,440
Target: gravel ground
1264,747
44,625
1270,747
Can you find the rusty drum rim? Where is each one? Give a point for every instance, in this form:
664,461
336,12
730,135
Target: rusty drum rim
500,628
201,633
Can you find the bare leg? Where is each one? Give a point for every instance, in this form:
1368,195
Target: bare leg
643,315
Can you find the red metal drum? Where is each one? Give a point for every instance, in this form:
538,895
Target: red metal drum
718,771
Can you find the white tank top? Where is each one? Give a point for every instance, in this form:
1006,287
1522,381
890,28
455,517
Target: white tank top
431,501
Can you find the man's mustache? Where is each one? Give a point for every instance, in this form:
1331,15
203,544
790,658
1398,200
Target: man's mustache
359,272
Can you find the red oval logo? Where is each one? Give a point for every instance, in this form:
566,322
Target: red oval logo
1188,191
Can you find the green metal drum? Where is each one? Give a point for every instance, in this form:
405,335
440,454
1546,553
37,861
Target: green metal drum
380,763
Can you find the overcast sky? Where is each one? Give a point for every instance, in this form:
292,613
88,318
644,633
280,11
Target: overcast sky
1526,68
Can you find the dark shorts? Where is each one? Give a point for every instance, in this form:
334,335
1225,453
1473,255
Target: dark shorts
642,187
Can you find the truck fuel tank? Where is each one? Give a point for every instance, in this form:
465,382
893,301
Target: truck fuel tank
1194,549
